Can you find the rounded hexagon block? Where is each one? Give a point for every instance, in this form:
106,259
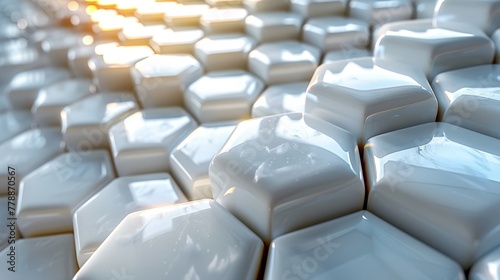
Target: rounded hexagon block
174,41
224,20
487,267
318,8
142,142
280,99
342,54
78,56
336,33
380,12
284,62
160,80
274,26
198,240
282,173
444,181
95,220
266,5
223,96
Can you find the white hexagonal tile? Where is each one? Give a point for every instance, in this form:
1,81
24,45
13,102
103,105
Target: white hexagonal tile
78,56
194,240
274,26
487,267
227,20
138,34
108,26
142,142
266,5
84,131
19,60
185,15
284,62
280,99
444,180
52,99
160,80
13,123
27,151
95,220
49,257
336,33
152,11
261,173
380,12
391,96
224,51
56,46
191,158
174,41
49,195
349,53
318,8
223,96
338,249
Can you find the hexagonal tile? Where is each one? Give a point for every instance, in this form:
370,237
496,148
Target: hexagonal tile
49,195
56,46
284,62
223,96
318,8
228,20
108,26
19,60
13,123
185,15
138,34
487,267
152,11
191,158
280,99
84,131
444,180
160,80
174,41
261,173
52,99
266,5
350,53
274,26
78,56
338,249
142,142
198,240
380,12
336,33
27,151
224,51
94,220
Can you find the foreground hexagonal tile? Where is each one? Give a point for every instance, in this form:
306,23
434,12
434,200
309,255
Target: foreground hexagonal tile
281,173
49,195
487,267
174,41
95,220
160,80
14,122
199,240
338,249
330,33
318,8
279,99
191,159
284,62
445,182
274,26
50,257
223,96
142,142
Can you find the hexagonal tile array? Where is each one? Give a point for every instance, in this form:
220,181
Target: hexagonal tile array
274,26
283,166
13,123
279,99
330,33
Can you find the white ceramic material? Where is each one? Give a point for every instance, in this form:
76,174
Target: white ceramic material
357,246
279,99
108,26
19,60
391,96
487,267
160,80
433,50
152,11
224,51
43,258
185,15
274,26
84,131
142,142
336,33
293,165
52,99
78,56
284,62
49,195
138,34
318,8
111,70
424,8
190,160
56,46
266,5
13,123
469,98
380,12
223,96
444,180
170,41
194,240
26,152
228,20
349,53
95,220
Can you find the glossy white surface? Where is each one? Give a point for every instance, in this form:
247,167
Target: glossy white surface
52,99
336,33
95,220
279,99
78,56
469,98
83,131
227,20
44,258
139,34
487,267
13,123
391,96
142,142
350,53
224,51
424,8
176,41
357,246
318,8
266,5
152,11
49,195
444,180
27,151
160,80
433,50
56,46
274,26
20,60
224,3
185,15
109,26
191,158
284,62
283,166
194,240
380,12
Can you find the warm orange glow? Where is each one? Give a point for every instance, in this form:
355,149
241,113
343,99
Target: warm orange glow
90,9
87,40
73,6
